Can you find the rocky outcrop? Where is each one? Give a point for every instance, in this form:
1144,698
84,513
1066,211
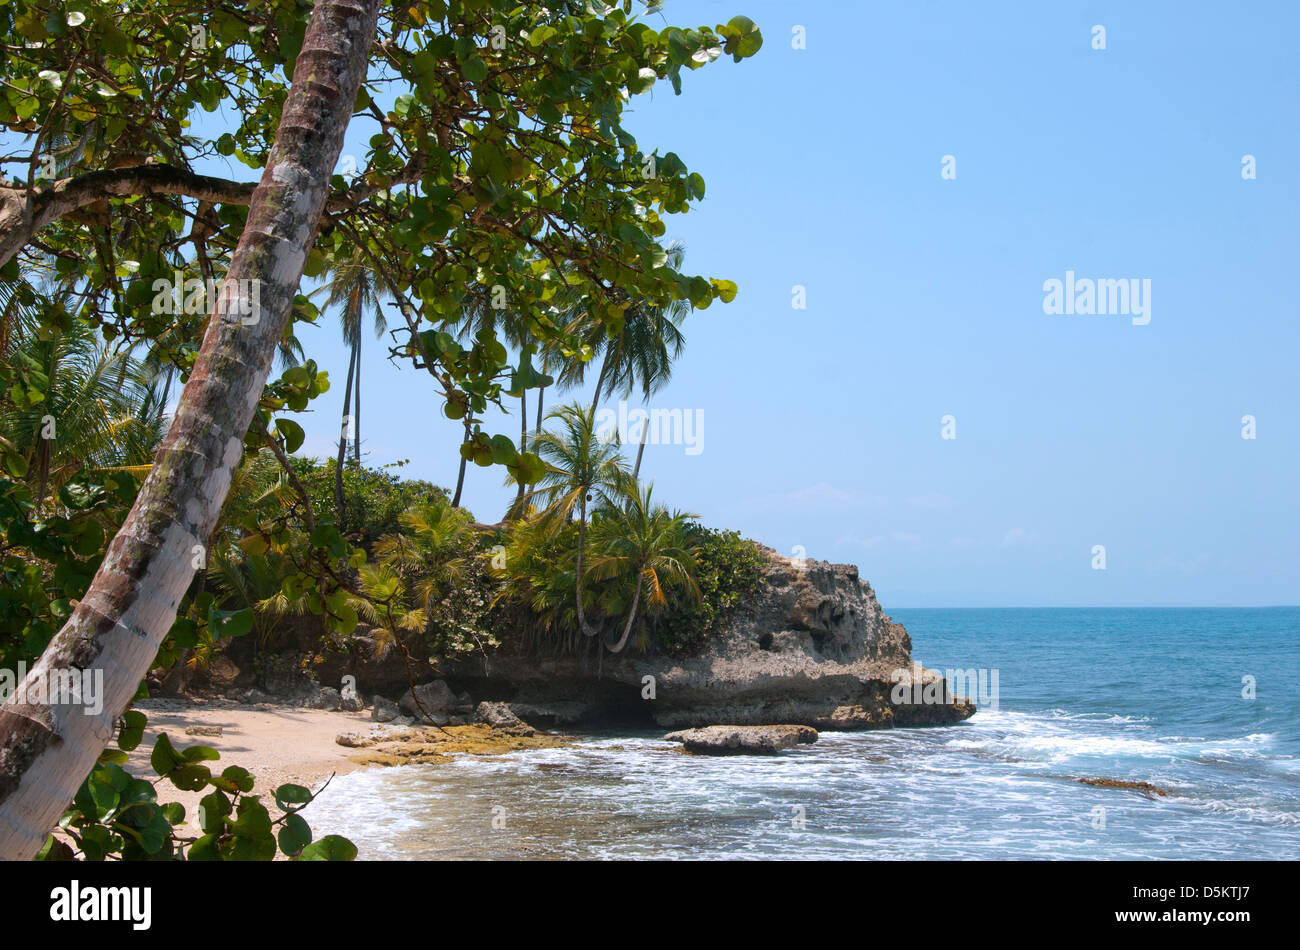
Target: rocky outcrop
501,717
349,699
384,710
430,703
327,698
1145,787
733,740
388,745
813,648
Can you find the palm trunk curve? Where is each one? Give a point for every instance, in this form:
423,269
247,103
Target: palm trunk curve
356,413
343,442
627,628
47,749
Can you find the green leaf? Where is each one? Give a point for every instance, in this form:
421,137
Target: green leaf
254,544
164,757
503,450
239,777
191,778
642,82
15,464
138,792
213,808
200,753
132,732
252,820
205,849
156,831
291,797
89,538
726,289
56,850
475,69
527,469
329,848
295,834
234,623
174,812
185,632
743,37
293,434
105,798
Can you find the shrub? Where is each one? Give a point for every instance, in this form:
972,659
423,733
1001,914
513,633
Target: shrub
728,567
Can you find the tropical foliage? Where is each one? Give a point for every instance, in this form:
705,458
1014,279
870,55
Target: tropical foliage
505,211
115,816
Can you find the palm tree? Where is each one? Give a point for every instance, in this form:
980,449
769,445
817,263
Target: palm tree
640,357
580,467
430,553
536,575
643,539
641,354
354,287
416,567
385,605
100,408
256,582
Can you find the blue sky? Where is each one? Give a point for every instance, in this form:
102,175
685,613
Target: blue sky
822,426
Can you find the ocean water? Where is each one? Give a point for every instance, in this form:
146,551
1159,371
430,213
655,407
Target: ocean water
1151,695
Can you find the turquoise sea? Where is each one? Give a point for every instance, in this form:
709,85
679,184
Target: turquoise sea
1152,695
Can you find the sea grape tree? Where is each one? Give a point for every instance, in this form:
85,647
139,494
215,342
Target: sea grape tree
497,172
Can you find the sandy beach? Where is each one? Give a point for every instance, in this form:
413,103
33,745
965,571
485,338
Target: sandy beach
277,744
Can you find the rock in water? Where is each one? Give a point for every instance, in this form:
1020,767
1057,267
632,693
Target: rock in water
501,716
734,740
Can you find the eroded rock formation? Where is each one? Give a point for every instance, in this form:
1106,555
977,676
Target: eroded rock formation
812,648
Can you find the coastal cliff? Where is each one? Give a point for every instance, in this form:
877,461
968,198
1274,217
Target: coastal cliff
813,647
810,646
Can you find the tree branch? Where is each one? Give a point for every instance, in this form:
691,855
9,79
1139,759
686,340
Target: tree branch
24,214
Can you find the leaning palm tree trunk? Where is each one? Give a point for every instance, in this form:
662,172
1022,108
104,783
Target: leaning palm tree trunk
523,446
586,628
600,382
343,440
47,748
627,628
356,413
537,429
460,479
645,430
